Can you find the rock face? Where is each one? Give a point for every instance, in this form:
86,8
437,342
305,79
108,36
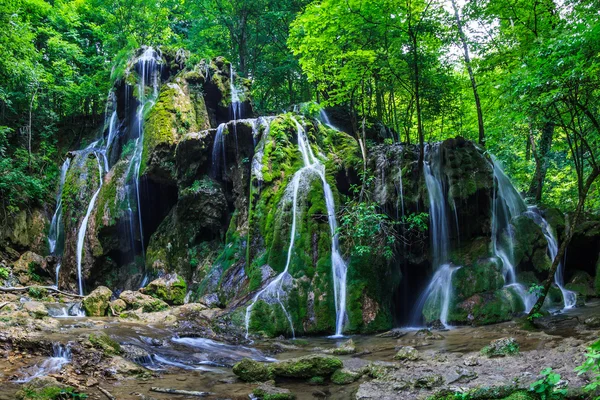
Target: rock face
209,200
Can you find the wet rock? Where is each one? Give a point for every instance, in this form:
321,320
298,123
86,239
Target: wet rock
135,354
27,265
103,342
501,347
35,309
407,353
249,370
95,304
268,391
307,367
170,288
429,335
348,347
344,377
210,300
428,381
137,300
460,375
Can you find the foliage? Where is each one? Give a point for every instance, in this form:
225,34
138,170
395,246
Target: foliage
4,273
364,229
52,393
536,289
547,387
591,366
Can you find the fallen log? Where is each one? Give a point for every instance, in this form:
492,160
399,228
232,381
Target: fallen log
182,392
107,393
50,288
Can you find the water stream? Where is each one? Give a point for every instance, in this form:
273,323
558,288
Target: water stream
312,166
61,356
55,233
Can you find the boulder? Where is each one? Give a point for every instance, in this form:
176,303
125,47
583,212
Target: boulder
344,377
117,306
95,304
137,300
348,347
35,309
501,347
170,288
28,268
268,391
307,367
407,353
250,370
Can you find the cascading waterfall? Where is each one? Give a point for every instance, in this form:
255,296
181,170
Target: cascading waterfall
257,160
507,204
83,228
112,133
400,190
149,71
339,268
55,234
439,289
219,163
61,355
569,297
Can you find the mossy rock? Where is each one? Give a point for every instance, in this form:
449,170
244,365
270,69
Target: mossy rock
136,300
268,391
344,377
102,341
170,288
96,303
307,367
117,307
530,246
582,284
483,276
250,370
501,347
407,353
521,395
491,307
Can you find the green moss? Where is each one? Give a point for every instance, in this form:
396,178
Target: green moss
307,367
317,380
50,393
344,377
252,371
483,276
170,290
501,347
102,341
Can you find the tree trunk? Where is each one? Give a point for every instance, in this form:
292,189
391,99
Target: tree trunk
541,161
534,313
418,100
463,39
29,127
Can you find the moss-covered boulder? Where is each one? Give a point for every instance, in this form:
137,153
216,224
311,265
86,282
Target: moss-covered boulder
117,306
137,300
96,303
170,288
103,342
344,377
501,347
489,307
483,276
582,284
530,246
268,391
30,268
407,353
307,367
250,370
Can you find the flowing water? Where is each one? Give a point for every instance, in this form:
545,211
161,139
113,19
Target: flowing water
55,233
569,297
219,162
439,289
61,356
83,228
274,290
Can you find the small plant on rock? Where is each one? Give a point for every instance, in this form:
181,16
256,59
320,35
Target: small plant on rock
591,365
548,388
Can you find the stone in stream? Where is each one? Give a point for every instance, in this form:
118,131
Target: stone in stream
348,347
249,370
501,347
407,353
268,391
136,300
95,304
307,367
117,306
344,377
35,309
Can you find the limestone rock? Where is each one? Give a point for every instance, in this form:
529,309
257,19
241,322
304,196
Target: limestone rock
95,304
348,347
136,300
35,309
170,288
268,391
501,347
344,377
249,370
117,306
307,367
407,353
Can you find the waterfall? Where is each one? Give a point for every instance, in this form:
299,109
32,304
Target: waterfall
55,234
112,132
325,118
236,104
338,265
400,190
507,204
218,154
83,228
257,160
149,70
569,297
440,286
61,355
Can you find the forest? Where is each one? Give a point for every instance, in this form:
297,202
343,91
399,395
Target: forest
341,199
